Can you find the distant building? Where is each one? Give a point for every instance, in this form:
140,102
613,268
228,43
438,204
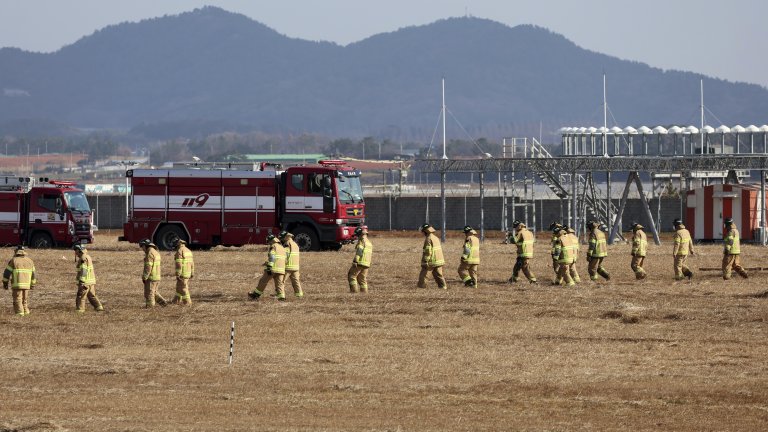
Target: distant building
286,159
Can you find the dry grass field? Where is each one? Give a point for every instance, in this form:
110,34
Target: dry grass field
618,355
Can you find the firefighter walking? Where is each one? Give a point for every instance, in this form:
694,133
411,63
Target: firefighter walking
555,227
152,274
357,276
20,274
292,257
598,250
274,270
185,270
565,248
524,240
432,259
574,241
732,251
86,280
639,250
682,247
470,258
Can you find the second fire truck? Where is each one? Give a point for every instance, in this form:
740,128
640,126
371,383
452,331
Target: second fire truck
43,214
321,204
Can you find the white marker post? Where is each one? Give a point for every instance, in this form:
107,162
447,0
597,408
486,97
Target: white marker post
231,342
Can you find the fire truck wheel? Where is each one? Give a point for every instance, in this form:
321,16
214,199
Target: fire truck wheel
167,235
306,239
41,241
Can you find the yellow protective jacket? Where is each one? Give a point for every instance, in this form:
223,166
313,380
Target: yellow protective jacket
185,263
292,255
85,272
598,248
20,272
732,243
524,240
433,251
152,265
639,244
568,248
275,258
683,244
471,251
363,251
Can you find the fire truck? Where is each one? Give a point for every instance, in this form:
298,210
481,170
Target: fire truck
209,204
43,213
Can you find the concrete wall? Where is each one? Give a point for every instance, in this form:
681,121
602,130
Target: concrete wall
407,213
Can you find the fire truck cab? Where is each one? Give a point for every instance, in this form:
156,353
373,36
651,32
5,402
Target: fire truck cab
213,205
44,214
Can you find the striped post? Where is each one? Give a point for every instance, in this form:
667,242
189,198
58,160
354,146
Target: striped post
231,342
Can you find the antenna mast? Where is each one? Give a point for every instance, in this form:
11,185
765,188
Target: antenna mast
444,155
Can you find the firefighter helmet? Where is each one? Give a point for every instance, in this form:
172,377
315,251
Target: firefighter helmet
362,229
145,242
728,221
677,222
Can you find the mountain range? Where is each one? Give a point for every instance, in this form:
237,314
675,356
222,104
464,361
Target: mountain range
224,70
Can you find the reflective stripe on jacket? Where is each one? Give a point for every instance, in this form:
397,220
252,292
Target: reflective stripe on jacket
732,243
524,240
292,255
683,243
568,247
363,251
433,252
276,258
185,264
598,248
152,265
20,273
85,273
639,244
471,254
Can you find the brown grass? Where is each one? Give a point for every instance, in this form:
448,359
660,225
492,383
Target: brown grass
623,355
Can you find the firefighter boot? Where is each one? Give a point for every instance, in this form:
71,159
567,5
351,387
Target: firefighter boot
604,273
255,294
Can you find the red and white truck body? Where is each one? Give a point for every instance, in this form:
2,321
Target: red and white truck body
51,213
320,204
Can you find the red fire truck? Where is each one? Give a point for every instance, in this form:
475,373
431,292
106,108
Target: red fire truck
43,214
214,204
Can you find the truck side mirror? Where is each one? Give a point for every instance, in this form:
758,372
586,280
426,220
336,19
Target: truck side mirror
327,193
59,207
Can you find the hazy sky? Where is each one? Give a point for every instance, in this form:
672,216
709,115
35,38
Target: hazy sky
725,39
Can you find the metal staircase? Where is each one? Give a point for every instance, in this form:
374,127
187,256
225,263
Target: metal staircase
594,201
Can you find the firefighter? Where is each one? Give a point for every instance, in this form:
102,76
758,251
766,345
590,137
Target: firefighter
566,256
639,249
598,250
554,242
574,243
432,259
86,280
274,269
292,255
20,273
185,270
682,247
470,258
357,276
524,240
732,251
152,274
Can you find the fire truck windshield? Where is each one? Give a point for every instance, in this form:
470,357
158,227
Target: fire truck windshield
76,201
350,190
